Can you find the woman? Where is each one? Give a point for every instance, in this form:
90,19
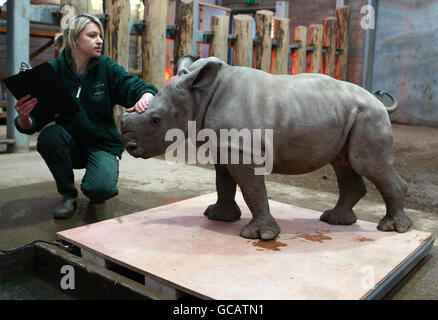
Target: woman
89,139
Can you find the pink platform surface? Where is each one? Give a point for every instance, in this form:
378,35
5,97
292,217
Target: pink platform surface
178,246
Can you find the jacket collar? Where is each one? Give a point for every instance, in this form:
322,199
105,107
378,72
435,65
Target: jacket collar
67,60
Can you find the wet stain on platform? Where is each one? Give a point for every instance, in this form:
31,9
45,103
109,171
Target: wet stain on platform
268,245
364,239
313,237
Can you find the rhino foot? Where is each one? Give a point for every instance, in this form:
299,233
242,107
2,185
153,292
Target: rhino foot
400,223
265,230
339,216
223,212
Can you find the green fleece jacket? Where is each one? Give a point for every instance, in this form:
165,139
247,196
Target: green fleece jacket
104,84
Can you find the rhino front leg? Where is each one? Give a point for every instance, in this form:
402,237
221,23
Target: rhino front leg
226,208
351,189
263,225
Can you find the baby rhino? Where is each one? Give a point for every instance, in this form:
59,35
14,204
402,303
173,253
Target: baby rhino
314,119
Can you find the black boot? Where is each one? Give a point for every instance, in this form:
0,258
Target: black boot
65,209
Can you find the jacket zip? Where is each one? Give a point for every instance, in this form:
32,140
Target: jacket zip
80,84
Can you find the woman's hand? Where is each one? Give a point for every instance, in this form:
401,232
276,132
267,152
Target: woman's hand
24,107
141,104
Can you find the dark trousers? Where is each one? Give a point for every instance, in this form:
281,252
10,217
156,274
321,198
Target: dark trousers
62,154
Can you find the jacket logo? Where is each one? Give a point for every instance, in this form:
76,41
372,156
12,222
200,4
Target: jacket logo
98,85
98,89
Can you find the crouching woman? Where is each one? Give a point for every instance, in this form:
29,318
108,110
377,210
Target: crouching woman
89,139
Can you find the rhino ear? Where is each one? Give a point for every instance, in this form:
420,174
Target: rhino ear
182,72
203,77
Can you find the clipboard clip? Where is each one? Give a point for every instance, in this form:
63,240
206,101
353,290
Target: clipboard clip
24,67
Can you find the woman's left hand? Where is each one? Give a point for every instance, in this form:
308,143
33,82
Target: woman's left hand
141,104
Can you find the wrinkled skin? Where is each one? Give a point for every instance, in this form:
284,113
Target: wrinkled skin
316,120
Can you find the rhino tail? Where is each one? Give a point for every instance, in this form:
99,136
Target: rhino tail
394,106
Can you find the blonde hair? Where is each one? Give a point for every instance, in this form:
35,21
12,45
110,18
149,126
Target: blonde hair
76,24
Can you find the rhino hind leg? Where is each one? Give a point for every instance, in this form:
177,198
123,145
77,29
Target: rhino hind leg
263,225
351,189
226,208
393,189
371,155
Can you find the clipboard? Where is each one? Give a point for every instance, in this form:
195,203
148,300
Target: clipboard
43,83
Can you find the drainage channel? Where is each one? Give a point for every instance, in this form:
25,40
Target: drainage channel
45,272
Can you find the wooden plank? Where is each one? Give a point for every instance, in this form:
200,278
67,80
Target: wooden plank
329,43
117,40
184,36
243,44
49,2
314,61
3,12
220,25
281,52
178,246
342,42
299,56
35,33
210,5
263,49
41,49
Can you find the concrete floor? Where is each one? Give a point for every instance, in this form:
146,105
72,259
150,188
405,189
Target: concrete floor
28,197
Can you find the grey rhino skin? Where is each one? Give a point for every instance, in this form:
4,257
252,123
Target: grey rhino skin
315,119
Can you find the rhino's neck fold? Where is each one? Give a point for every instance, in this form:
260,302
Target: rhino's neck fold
201,101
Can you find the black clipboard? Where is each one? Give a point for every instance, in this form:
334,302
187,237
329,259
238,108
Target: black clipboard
44,83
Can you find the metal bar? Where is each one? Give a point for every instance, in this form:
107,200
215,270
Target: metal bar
17,51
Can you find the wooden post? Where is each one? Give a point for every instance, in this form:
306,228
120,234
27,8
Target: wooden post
184,36
170,44
281,52
117,31
153,42
263,19
315,40
201,23
299,59
116,42
329,43
243,43
342,36
218,46
140,16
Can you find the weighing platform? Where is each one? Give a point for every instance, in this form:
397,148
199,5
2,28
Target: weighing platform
180,251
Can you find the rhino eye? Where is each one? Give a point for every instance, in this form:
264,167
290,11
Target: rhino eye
155,121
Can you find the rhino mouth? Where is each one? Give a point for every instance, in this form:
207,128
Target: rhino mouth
131,145
132,148
135,150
